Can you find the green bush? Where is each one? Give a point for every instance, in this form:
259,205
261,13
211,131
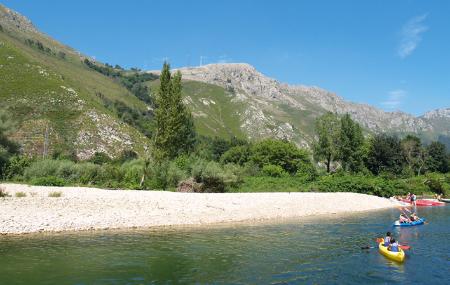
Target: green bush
307,171
273,170
412,185
281,153
87,173
16,167
233,175
214,177
109,176
157,176
271,184
127,155
67,170
182,161
48,181
251,169
42,168
100,158
132,173
237,155
360,184
436,183
175,174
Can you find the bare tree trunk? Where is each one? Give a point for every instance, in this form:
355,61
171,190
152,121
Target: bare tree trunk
328,163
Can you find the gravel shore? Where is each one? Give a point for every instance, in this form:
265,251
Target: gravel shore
81,208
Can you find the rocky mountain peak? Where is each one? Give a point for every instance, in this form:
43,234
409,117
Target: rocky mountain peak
247,82
240,76
13,19
438,113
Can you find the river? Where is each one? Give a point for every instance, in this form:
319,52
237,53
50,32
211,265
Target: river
321,250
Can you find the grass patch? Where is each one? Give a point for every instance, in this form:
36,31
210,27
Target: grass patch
20,194
56,194
272,184
48,181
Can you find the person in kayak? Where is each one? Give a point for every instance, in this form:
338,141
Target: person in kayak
404,219
387,239
393,246
414,217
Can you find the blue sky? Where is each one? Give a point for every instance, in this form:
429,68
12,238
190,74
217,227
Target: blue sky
391,54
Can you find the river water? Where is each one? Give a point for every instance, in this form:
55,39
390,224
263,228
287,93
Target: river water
325,250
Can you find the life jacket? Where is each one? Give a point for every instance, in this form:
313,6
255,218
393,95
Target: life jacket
387,241
394,247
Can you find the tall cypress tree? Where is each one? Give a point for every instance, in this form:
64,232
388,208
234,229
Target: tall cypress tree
175,132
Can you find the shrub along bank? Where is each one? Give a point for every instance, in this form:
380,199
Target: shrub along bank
266,166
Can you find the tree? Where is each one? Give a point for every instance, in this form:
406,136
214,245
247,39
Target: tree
413,152
238,155
174,133
350,147
327,146
281,153
437,158
7,147
385,154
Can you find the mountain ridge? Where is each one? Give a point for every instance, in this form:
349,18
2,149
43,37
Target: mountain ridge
78,104
258,90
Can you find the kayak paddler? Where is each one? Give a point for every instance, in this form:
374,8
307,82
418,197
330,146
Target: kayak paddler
393,246
387,239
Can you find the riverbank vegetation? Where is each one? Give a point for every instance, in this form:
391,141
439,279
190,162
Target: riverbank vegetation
342,159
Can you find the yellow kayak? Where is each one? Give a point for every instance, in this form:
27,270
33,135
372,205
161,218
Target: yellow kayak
397,256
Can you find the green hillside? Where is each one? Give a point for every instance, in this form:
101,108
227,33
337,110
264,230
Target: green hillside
57,101
64,102
213,108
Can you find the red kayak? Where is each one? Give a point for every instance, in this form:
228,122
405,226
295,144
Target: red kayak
425,202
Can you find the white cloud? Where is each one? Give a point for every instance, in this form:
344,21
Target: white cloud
411,35
394,99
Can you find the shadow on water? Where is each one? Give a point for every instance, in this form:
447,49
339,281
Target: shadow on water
324,250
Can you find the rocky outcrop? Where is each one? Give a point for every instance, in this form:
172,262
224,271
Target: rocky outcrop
443,113
13,19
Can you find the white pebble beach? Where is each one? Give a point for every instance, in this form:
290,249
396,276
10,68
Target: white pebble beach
82,208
